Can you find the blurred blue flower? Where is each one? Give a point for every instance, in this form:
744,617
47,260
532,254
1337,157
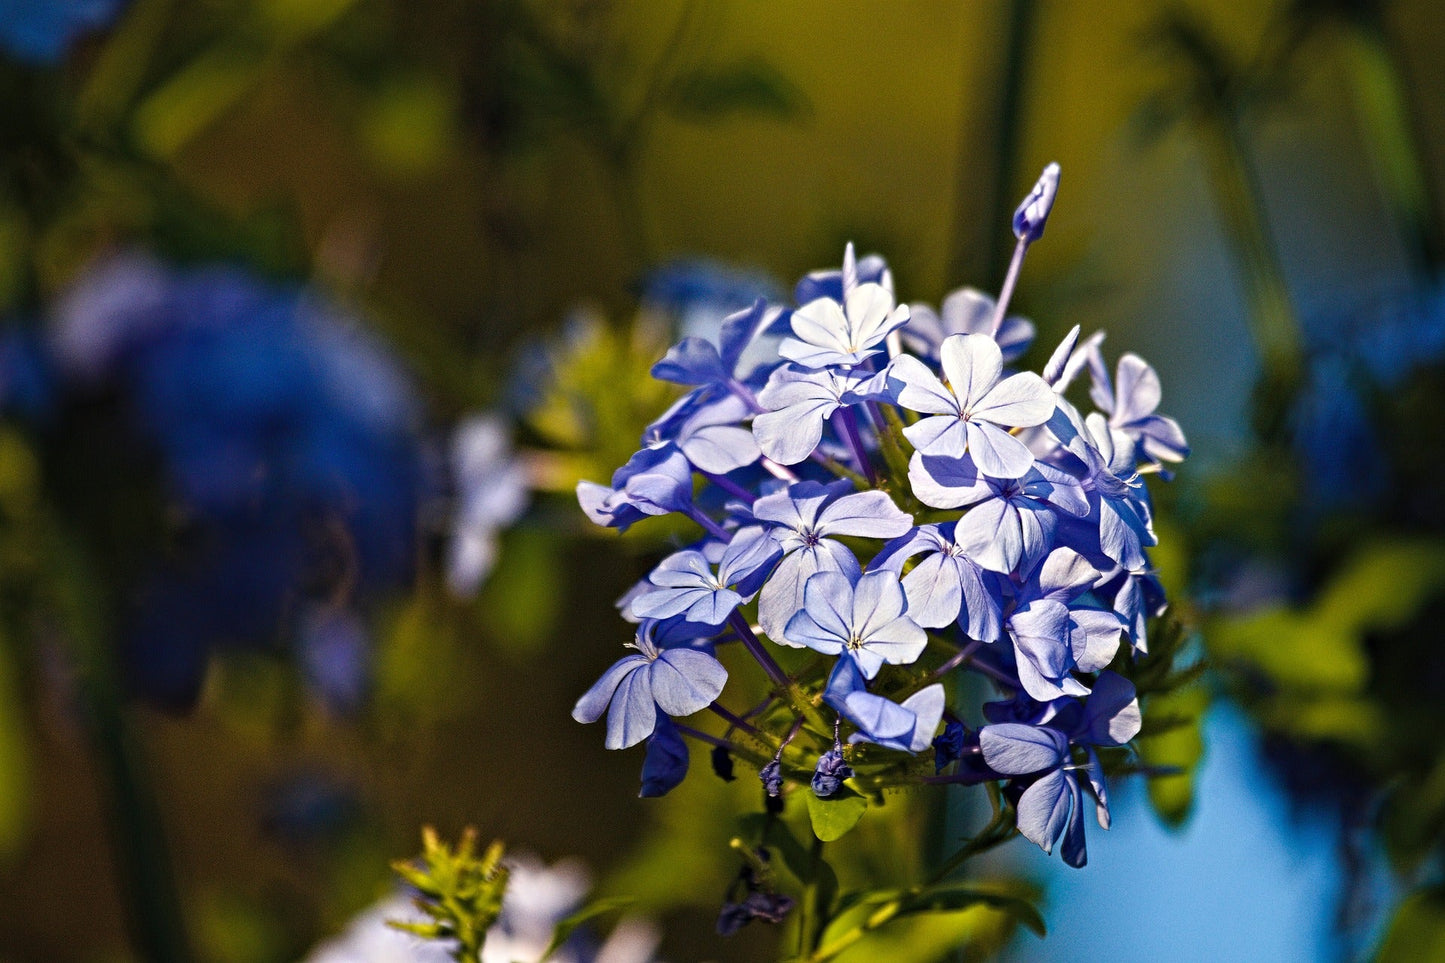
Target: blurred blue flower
701,293
290,450
40,31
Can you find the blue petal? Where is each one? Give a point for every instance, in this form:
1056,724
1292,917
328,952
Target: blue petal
684,681
694,361
665,765
594,701
866,514
1043,810
1111,714
633,713
877,718
1019,750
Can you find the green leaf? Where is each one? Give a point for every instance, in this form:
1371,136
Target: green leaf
1181,745
948,899
751,85
592,910
835,816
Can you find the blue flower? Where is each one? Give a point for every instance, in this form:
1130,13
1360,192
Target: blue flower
846,330
833,283
491,491
1011,524
653,482
975,409
40,31
704,427
861,616
964,311
678,681
686,586
798,402
1052,805
947,586
1130,403
908,727
287,440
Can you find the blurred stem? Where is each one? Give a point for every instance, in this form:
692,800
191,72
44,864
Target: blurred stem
1006,126
1240,201
147,887
1382,97
812,917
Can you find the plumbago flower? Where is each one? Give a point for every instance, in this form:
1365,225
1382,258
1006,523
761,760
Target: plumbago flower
882,507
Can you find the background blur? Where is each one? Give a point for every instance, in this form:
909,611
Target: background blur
263,263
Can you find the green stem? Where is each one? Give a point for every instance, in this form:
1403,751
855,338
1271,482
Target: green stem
812,917
148,888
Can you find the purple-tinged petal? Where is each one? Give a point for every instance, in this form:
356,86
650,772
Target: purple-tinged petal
1019,750
935,591
939,435
865,514
665,765
1137,390
996,452
1111,714
693,361
1053,372
749,559
919,389
1043,810
877,601
973,364
1019,401
633,714
941,482
1094,637
719,449
1072,849
782,595
683,681
877,718
594,701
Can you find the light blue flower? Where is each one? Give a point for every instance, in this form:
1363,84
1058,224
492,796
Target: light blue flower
678,681
685,585
799,402
861,616
946,586
975,409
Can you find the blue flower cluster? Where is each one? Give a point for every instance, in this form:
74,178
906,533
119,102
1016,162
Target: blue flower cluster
290,455
885,493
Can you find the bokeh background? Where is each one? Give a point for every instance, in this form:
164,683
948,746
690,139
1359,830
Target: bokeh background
316,310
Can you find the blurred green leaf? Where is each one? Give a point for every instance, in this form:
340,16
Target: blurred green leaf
15,766
1174,740
594,909
834,817
522,599
408,127
1417,932
195,97
747,86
